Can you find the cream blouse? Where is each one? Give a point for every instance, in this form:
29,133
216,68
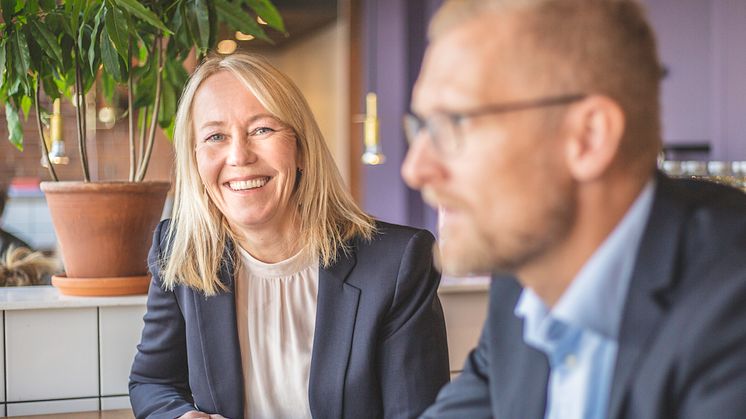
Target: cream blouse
276,314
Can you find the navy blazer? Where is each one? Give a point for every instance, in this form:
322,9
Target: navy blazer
379,347
682,344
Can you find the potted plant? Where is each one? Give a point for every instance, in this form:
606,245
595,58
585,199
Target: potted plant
61,48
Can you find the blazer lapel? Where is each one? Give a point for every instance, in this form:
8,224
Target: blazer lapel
523,367
218,332
653,275
335,321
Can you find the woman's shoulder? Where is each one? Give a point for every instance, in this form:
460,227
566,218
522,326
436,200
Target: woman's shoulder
395,236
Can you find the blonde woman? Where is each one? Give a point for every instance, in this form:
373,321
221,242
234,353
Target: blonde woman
273,294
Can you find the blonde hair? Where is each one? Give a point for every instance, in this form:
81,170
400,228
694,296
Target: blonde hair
198,235
604,47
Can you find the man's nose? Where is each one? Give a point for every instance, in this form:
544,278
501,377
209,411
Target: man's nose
422,165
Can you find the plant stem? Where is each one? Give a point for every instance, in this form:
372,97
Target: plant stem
80,114
156,107
144,112
130,111
44,149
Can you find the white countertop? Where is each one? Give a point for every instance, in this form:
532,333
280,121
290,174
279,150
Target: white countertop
47,296
453,285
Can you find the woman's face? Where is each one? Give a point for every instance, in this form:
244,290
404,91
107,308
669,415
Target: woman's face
246,158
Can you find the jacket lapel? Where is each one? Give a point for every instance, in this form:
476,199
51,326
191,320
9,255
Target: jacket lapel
335,321
653,275
218,332
526,368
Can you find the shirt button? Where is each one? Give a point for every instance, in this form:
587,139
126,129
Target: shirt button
571,360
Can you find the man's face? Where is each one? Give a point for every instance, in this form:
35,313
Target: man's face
505,196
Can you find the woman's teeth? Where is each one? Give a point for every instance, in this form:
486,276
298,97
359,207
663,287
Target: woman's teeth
242,185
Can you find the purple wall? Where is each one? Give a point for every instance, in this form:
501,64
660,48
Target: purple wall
704,96
702,43
395,44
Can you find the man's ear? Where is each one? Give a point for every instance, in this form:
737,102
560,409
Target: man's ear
594,128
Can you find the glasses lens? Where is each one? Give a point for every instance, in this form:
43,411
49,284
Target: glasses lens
443,131
412,127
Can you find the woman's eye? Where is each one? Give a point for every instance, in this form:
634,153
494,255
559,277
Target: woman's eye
262,131
215,138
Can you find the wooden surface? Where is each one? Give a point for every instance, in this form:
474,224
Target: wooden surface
106,414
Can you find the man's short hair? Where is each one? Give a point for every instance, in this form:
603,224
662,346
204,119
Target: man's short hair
604,47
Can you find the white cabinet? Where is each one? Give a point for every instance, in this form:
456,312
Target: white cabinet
62,354
52,406
2,362
465,310
119,331
115,403
54,354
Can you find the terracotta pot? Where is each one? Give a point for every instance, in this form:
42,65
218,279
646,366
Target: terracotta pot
104,230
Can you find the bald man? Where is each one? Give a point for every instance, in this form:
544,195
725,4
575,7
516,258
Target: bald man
618,293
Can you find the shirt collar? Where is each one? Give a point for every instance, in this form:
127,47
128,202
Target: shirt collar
595,298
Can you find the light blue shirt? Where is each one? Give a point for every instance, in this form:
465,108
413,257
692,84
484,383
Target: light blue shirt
580,334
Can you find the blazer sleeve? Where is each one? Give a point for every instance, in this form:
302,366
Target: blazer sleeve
468,395
159,380
712,375
413,353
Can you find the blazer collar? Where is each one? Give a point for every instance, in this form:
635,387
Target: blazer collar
652,278
336,311
218,331
526,367
335,321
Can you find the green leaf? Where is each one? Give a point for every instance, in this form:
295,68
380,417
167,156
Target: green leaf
93,58
68,45
268,12
109,56
47,41
116,26
137,9
237,19
73,8
176,74
9,7
26,106
32,7
168,105
2,59
108,86
34,49
19,53
169,131
50,88
201,14
15,129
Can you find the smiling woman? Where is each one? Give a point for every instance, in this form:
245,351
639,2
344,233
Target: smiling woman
273,294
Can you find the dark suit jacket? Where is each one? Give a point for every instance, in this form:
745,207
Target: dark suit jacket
682,345
379,347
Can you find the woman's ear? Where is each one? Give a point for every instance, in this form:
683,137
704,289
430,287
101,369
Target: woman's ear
594,128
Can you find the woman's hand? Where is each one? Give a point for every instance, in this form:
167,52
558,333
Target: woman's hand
200,415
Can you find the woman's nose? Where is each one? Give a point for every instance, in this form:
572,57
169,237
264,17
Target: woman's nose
240,152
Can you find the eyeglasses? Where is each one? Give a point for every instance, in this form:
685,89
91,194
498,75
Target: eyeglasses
443,127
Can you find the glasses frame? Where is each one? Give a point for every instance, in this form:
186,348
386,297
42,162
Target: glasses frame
414,124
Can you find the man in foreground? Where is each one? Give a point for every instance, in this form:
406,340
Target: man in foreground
620,293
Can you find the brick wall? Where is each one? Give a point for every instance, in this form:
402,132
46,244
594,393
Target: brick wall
112,152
